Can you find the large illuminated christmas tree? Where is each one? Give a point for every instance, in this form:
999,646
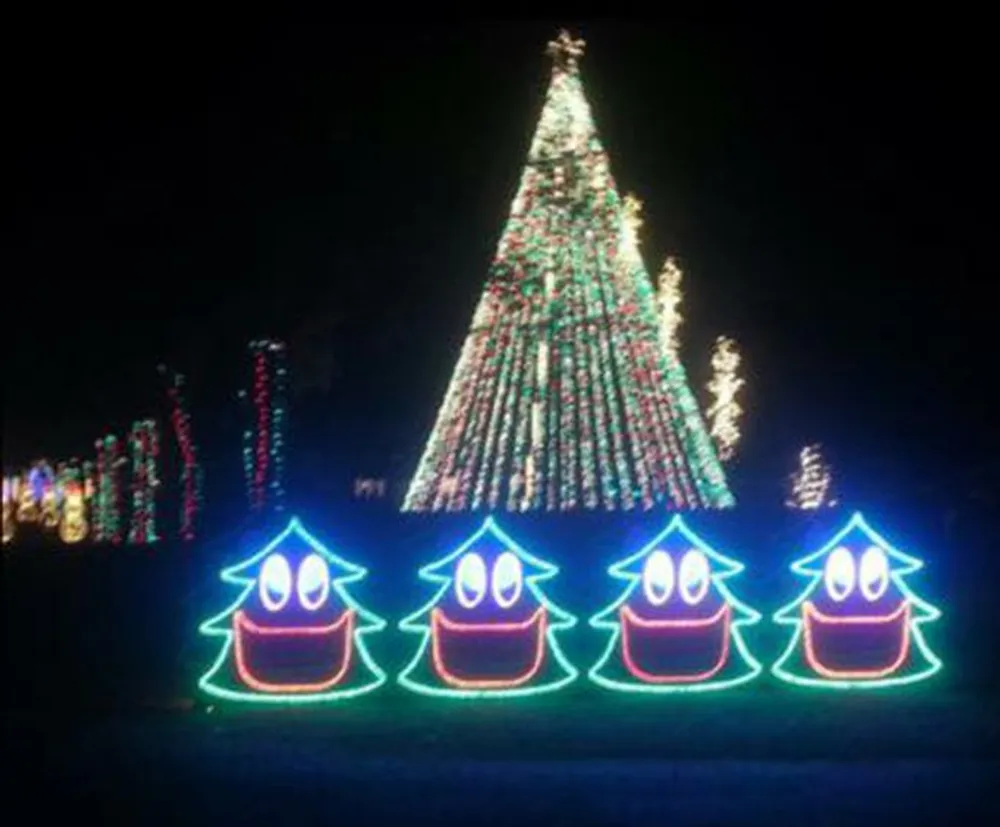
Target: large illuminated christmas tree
563,396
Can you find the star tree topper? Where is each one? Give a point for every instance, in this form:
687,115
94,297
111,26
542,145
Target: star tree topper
566,51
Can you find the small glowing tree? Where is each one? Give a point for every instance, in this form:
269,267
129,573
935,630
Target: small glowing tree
811,482
724,413
668,299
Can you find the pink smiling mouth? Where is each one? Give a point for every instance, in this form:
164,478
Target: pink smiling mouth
675,651
488,655
856,647
293,659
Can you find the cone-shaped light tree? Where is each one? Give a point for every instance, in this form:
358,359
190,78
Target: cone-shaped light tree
563,396
857,623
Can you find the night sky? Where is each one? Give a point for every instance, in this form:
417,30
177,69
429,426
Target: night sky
184,188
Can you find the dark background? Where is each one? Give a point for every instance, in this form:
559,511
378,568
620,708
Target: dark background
182,185
185,188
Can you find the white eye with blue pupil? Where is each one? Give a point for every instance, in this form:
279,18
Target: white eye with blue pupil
470,580
658,577
275,585
873,574
508,579
839,574
314,582
694,577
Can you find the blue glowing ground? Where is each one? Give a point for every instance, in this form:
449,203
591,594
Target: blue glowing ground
732,760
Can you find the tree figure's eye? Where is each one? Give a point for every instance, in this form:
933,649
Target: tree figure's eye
470,580
314,582
839,574
275,582
658,577
694,577
508,579
873,574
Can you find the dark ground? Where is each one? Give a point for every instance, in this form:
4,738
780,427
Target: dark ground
100,658
745,758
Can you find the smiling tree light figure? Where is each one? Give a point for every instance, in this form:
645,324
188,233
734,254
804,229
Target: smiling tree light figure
489,631
677,627
857,625
294,634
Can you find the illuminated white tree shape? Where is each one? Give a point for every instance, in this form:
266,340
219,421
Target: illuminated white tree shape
811,483
668,300
724,413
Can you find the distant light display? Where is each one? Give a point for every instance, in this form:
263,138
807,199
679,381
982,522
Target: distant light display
191,471
369,488
725,411
811,483
265,434
27,504
107,514
11,489
73,524
144,443
43,481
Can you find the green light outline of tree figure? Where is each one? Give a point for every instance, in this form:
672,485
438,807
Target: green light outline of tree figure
790,615
369,624
729,568
563,622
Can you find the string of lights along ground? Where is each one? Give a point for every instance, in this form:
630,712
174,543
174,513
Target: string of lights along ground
564,395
